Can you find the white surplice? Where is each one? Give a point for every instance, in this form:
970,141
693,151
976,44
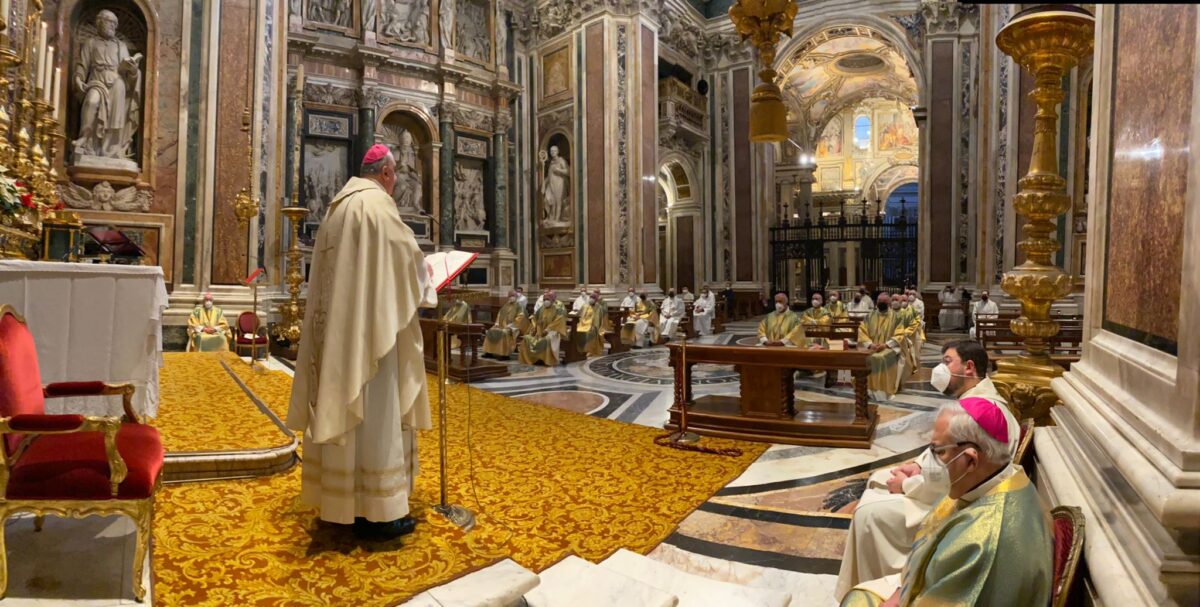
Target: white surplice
702,314
670,315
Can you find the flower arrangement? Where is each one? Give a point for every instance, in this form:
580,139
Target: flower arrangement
16,194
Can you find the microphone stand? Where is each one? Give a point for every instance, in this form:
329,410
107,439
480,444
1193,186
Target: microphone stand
459,515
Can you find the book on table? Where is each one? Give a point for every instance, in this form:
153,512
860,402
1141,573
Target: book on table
445,266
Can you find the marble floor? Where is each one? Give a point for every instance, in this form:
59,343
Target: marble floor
777,526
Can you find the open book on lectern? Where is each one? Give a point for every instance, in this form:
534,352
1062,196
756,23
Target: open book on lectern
445,266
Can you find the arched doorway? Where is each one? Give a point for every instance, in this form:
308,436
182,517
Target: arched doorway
679,225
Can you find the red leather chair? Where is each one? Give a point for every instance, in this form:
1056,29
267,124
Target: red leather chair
1068,549
70,465
248,324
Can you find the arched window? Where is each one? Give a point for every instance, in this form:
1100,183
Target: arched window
862,133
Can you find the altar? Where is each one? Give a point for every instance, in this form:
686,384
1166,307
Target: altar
92,322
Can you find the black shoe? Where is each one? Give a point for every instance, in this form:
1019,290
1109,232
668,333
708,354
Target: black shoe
369,530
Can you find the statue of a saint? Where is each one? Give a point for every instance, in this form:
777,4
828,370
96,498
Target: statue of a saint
468,200
446,24
110,82
554,188
408,180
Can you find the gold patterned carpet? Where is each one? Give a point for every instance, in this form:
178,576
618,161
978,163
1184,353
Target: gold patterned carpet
547,483
204,410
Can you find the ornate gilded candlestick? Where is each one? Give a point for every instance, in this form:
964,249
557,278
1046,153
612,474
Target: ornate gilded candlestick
1048,43
8,60
762,22
292,313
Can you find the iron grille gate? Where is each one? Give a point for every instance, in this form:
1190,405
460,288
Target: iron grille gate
887,253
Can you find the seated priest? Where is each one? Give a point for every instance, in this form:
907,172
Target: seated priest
814,316
208,331
914,330
862,304
988,541
671,314
896,500
631,300
548,327
703,311
686,296
641,324
918,304
781,327
580,302
459,312
541,301
985,308
522,301
883,334
501,340
593,324
837,307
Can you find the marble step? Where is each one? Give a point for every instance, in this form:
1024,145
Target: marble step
692,590
574,582
499,585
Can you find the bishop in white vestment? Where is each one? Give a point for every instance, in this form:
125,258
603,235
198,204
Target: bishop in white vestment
671,314
359,394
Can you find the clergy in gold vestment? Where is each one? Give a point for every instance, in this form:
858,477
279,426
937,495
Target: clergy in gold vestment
593,324
548,328
914,336
501,339
837,307
896,500
641,324
883,334
817,315
781,327
459,312
208,330
359,393
988,542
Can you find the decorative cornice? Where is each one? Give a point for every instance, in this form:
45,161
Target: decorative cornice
549,19
947,17
330,94
725,46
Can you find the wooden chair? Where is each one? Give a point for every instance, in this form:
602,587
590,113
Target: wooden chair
1068,549
70,466
1025,441
248,324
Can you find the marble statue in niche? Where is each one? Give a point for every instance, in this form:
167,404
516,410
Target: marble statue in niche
471,30
408,192
370,14
502,39
555,210
332,12
469,215
405,20
108,79
446,24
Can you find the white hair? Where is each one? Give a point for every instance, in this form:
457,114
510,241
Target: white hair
377,167
963,428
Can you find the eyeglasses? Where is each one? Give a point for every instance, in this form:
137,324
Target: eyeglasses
940,449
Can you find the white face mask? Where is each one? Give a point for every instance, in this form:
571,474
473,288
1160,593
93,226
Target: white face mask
816,303
940,378
208,305
937,474
780,307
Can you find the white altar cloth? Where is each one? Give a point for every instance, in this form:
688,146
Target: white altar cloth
92,322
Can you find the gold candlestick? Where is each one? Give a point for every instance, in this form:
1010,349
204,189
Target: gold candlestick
8,60
1048,43
292,313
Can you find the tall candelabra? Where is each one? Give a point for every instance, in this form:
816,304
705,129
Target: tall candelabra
291,312
29,130
1048,42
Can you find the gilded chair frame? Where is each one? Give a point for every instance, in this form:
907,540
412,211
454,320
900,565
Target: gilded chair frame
1074,514
1023,447
141,511
253,347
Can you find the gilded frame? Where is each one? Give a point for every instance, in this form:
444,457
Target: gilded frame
560,54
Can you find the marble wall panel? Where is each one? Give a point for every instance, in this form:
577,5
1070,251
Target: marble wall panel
1150,155
941,162
312,67
743,204
406,82
474,98
229,238
648,84
166,138
597,151
685,256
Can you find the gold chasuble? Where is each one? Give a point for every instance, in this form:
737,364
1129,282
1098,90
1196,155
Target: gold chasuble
641,322
501,339
549,326
589,333
359,391
884,328
914,337
202,319
459,313
838,310
813,317
781,326
991,547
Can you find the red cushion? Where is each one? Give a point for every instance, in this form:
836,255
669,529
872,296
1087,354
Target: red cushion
247,322
45,423
74,466
74,388
20,378
246,340
1064,536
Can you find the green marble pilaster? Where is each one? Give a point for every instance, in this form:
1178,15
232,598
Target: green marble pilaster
366,131
500,181
446,180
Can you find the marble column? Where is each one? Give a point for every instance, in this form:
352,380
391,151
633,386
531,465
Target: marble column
500,179
446,177
366,133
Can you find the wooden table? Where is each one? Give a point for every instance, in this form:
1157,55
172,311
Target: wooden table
570,347
466,367
766,408
616,319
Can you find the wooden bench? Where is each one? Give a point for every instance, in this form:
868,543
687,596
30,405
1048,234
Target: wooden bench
997,337
766,410
467,366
